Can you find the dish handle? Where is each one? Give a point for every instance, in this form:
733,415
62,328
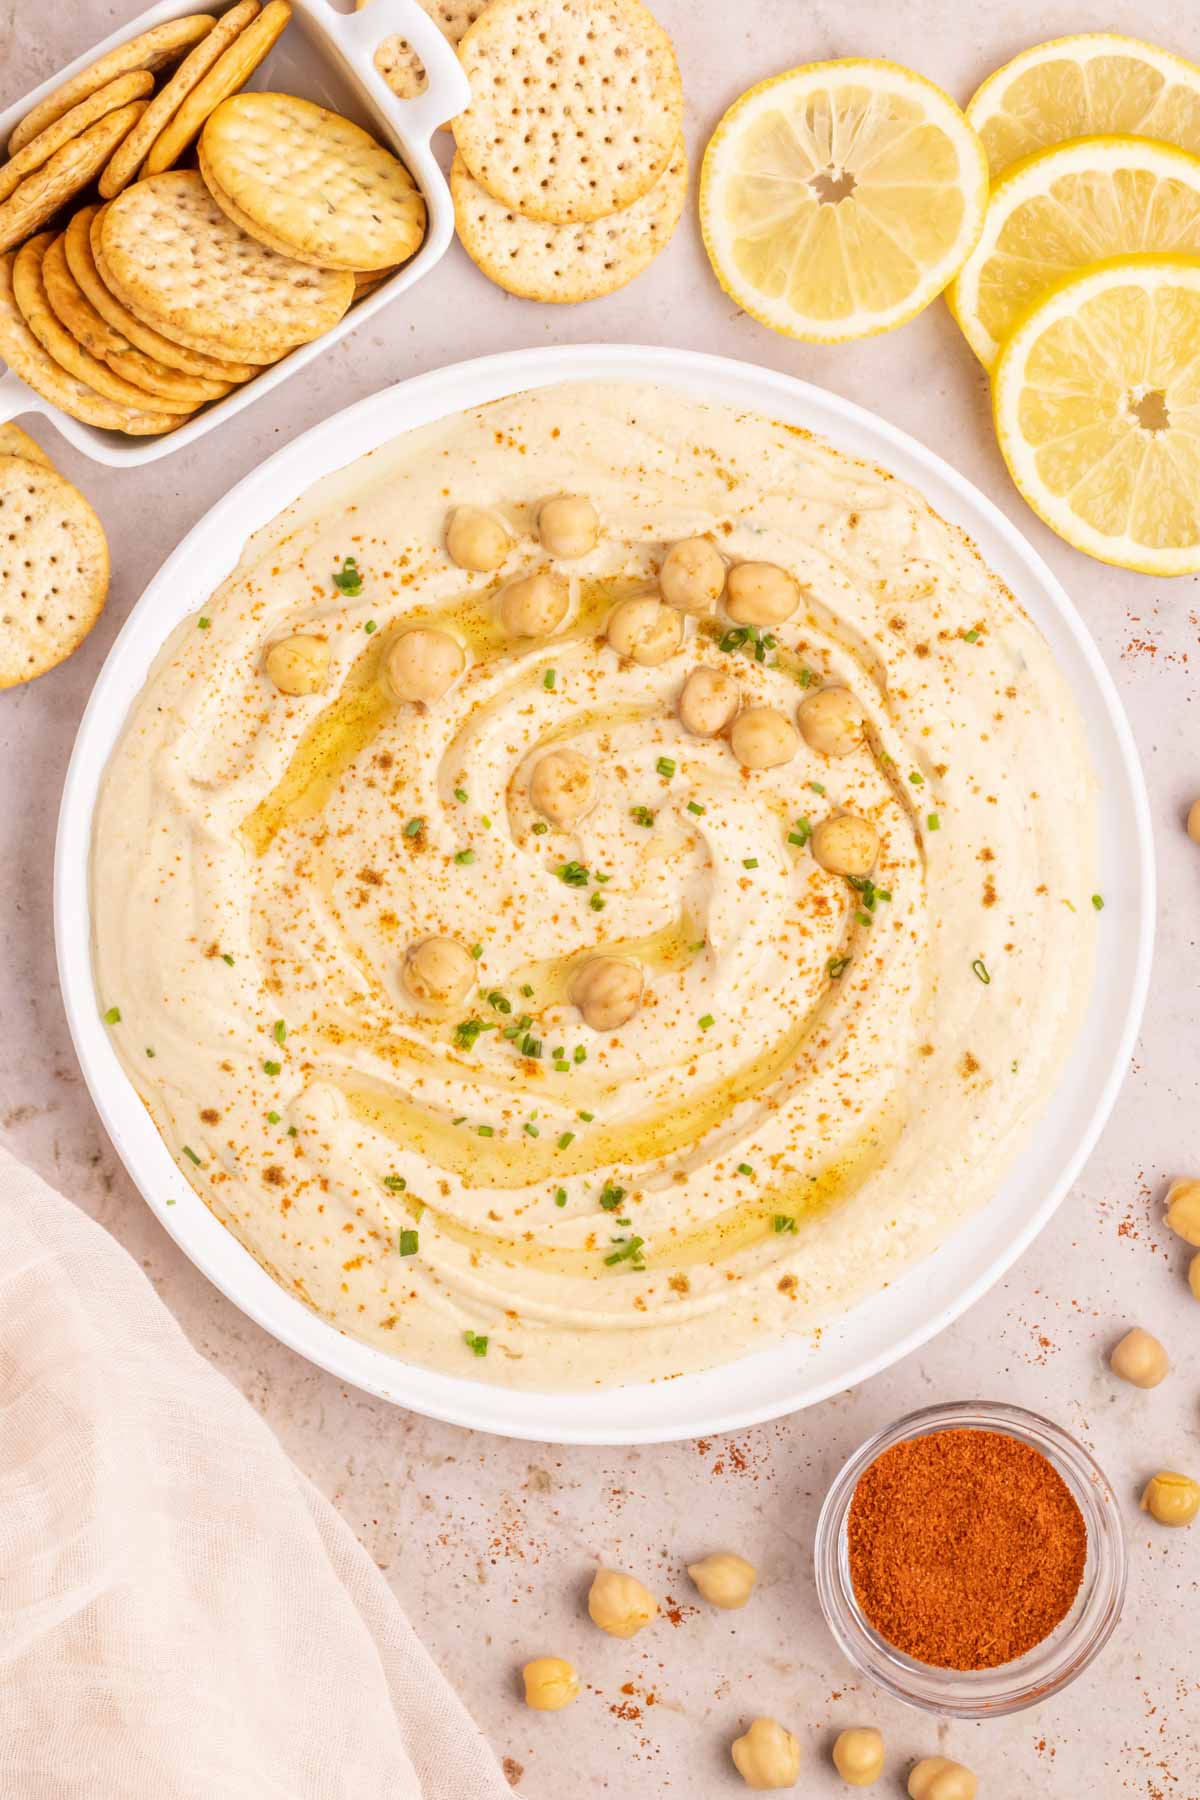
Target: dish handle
447,89
16,398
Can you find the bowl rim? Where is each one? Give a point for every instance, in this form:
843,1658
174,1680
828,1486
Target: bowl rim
1074,1643
771,1382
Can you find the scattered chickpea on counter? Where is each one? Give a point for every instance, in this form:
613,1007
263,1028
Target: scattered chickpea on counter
1194,1276
767,1756
619,1604
1183,1211
937,1778
1193,821
1140,1359
1171,1498
724,1578
550,1684
858,1756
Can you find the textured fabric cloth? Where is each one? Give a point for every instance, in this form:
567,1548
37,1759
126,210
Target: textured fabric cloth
182,1616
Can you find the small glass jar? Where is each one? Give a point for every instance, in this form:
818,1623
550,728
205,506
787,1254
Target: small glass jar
1050,1665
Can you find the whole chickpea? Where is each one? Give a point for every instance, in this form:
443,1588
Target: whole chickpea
708,701
644,630
1183,1210
1194,1276
534,605
767,1756
1140,1359
1193,821
476,539
858,1756
758,593
763,738
724,1578
831,721
692,577
937,1778
298,664
424,663
1171,1498
439,972
607,990
550,1684
619,1604
569,526
845,845
563,786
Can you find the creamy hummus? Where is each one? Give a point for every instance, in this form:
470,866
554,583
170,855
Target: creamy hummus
822,1080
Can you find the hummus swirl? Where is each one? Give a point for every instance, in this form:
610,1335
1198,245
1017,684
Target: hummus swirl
824,1076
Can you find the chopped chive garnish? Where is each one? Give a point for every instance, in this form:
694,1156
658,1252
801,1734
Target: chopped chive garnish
369,627
191,1155
396,1183
203,623
548,680
665,766
802,832
485,821
587,1117
279,1031
467,1030
864,918
980,971
464,856
531,1130
539,828
272,1118
836,967
113,1016
579,1054
414,828
917,779
476,951
531,1046
641,815
933,823
611,1196
707,1022
499,1001
598,903
815,786
749,862
409,1241
573,874
526,989
461,794
293,1131
628,1250
745,1169
795,838
806,678
272,1068
693,806
969,637
485,1131
348,579
474,1341
560,1196
568,1137
226,958
783,1222
1098,902
602,877
149,1051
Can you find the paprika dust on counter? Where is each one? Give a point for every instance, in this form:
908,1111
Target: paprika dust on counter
966,1548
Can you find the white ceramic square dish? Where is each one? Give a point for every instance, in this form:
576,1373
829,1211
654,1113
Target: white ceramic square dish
883,1328
326,56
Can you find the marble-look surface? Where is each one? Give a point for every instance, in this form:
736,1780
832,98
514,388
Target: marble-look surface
489,1544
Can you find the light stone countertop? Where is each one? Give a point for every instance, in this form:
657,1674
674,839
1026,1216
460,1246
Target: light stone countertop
489,1545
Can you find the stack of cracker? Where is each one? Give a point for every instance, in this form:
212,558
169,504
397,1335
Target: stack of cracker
178,283
571,172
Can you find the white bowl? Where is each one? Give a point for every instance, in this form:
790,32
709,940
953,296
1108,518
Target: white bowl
883,1328
326,56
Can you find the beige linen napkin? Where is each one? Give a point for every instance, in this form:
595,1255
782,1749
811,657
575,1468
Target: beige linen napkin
182,1616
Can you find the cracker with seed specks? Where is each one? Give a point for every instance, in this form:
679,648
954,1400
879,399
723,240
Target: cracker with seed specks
26,358
347,203
15,442
576,106
63,176
399,63
149,50
29,291
53,569
39,150
76,312
233,67
176,260
77,242
567,263
130,155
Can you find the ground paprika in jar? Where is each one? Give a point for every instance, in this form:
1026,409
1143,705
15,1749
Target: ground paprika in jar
966,1548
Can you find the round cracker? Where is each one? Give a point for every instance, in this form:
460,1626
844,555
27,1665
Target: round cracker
347,203
40,149
149,50
26,358
168,251
399,63
15,442
567,263
79,316
576,105
30,292
77,243
68,171
53,569
124,165
232,68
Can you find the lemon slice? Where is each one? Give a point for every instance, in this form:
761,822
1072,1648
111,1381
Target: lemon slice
838,199
1097,405
1063,209
1087,86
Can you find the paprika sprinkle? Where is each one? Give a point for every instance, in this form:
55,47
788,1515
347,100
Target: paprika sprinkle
966,1548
